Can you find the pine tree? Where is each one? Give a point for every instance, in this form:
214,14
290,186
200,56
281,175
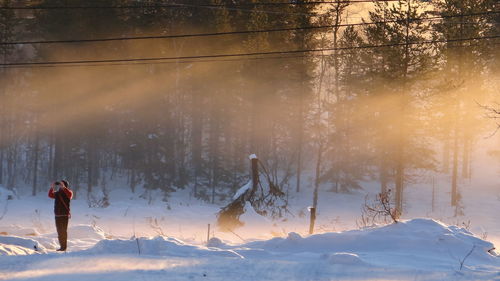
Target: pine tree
462,63
395,70
8,146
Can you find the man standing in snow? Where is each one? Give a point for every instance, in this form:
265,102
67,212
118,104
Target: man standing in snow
62,194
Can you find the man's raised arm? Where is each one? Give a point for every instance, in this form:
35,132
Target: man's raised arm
51,192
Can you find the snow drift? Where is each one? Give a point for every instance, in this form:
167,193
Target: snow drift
82,231
80,237
6,194
157,246
408,235
420,244
423,242
13,246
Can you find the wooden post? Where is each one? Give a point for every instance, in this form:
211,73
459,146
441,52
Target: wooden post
138,246
312,220
255,172
208,234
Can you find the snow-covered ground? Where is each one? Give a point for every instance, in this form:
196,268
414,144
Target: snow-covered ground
171,243
419,249
140,239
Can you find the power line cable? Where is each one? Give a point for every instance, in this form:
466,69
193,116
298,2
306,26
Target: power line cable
243,10
178,5
156,6
253,54
230,7
239,32
205,60
343,52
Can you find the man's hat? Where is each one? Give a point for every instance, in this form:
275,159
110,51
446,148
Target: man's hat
65,182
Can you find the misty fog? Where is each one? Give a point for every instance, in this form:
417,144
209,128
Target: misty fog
366,103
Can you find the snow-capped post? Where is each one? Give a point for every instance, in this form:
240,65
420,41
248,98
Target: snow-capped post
208,234
228,216
266,199
255,172
312,210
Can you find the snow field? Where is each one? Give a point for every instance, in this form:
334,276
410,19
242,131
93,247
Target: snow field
418,248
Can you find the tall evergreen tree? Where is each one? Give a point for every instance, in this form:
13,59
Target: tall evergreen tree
395,70
462,63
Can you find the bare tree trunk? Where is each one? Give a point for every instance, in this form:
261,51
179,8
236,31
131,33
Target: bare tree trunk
133,180
2,147
455,196
1,163
58,157
95,164
299,167
454,189
466,157
399,186
35,164
196,139
383,173
11,165
446,154
91,168
3,125
214,147
400,165
316,188
51,158
300,133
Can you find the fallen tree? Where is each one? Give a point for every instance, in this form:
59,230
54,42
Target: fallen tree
266,200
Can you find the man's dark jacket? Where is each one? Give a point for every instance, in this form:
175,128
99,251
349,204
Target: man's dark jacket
62,201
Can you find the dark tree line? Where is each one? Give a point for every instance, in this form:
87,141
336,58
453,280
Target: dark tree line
332,119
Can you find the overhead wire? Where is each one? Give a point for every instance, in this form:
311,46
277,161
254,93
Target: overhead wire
155,6
126,38
177,5
230,7
218,56
343,52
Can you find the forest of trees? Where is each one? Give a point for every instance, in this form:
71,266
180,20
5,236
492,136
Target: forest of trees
367,102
